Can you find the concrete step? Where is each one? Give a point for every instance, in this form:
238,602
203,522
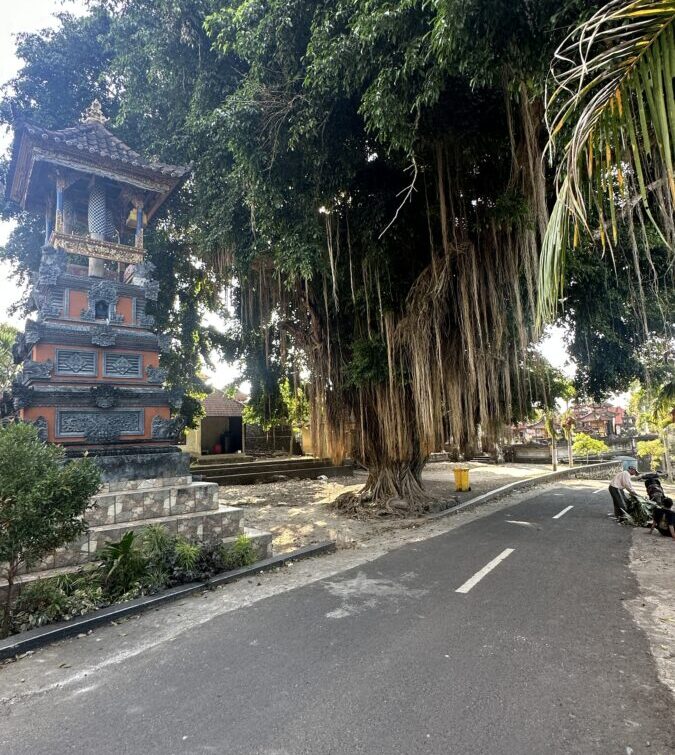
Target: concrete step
123,486
223,459
256,477
150,503
224,522
269,465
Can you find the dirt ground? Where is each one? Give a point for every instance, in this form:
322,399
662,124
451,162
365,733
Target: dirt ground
296,511
652,559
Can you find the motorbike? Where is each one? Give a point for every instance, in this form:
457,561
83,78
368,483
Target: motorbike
652,481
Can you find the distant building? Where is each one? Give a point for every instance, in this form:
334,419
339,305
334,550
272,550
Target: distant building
600,420
221,430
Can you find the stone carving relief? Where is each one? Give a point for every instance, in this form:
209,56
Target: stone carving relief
52,265
103,335
145,320
166,429
99,426
156,375
176,396
164,342
41,425
151,289
36,370
22,395
105,291
104,396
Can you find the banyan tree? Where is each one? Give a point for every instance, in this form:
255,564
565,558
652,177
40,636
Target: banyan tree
396,212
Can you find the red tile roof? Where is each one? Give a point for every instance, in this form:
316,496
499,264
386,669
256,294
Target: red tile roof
217,404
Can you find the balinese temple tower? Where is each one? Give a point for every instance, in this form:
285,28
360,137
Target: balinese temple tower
91,378
91,374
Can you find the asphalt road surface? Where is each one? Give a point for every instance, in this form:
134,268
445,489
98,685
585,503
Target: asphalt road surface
505,635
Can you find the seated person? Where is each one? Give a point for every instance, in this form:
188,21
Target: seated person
664,519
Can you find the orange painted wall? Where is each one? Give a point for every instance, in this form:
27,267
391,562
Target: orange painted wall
125,308
77,301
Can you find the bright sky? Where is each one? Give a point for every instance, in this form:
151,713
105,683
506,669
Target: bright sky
30,15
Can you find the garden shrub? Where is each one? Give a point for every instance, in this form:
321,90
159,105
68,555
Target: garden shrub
57,599
42,501
135,565
123,568
242,553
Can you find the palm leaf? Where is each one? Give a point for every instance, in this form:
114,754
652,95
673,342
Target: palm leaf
610,113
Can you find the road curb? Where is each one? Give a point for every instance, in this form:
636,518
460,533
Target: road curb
36,638
530,482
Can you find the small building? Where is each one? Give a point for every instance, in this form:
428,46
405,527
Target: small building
221,430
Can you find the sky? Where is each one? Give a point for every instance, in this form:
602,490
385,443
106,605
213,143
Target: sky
30,15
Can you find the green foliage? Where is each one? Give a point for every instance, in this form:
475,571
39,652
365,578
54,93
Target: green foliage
187,555
123,567
7,367
652,449
241,553
585,445
42,499
57,599
615,314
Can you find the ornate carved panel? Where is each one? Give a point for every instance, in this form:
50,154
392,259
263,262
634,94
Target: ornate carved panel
106,424
156,375
41,425
104,396
75,362
52,265
105,250
122,365
166,429
103,335
37,370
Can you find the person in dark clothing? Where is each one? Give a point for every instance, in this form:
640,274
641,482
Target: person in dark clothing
664,519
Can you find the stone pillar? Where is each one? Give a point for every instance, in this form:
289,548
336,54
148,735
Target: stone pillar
138,204
96,214
49,206
60,187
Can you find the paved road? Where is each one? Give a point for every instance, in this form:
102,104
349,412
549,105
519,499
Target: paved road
538,656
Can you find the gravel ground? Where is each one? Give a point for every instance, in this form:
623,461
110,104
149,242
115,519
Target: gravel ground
296,513
652,559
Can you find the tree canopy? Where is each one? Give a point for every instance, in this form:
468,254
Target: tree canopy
369,184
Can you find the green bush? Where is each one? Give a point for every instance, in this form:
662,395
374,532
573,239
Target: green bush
42,501
130,567
123,568
240,554
57,599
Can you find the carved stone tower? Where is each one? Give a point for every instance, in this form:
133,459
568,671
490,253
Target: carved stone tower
91,379
91,374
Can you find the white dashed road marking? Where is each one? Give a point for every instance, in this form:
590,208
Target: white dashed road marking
563,512
471,583
600,490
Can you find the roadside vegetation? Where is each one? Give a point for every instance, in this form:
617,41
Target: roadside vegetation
136,565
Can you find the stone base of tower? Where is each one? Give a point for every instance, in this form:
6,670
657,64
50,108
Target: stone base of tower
144,487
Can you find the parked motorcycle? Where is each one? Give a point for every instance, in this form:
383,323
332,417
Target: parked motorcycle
652,481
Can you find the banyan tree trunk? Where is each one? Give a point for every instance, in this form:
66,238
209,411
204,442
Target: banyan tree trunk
392,455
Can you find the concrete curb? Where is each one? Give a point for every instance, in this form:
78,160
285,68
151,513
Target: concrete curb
35,638
530,482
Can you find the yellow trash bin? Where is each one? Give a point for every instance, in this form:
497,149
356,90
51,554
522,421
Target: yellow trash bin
462,479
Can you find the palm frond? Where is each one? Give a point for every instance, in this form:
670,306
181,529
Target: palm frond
610,101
